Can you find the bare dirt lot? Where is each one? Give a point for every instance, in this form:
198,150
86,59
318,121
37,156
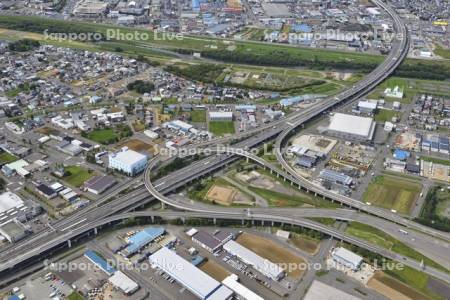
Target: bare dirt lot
221,195
137,145
214,270
271,251
303,243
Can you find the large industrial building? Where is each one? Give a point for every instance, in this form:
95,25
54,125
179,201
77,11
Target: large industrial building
192,278
262,265
210,242
221,116
142,239
352,128
320,290
242,291
9,201
347,258
13,230
121,281
128,161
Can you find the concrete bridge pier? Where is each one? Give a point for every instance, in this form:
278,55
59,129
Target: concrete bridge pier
242,222
214,221
273,223
163,205
95,231
253,222
183,219
153,219
262,222
69,244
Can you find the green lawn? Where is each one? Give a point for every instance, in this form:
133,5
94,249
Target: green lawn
415,279
220,128
392,193
76,176
6,158
434,160
384,115
411,87
198,116
276,199
381,239
444,53
103,136
443,206
75,296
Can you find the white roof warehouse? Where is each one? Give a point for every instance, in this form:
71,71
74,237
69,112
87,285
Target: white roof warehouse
352,127
262,265
195,280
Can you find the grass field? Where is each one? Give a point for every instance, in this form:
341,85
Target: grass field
444,53
414,279
271,251
411,87
103,136
381,239
394,288
392,193
75,296
435,160
276,199
198,116
443,206
220,128
384,115
6,158
262,52
76,176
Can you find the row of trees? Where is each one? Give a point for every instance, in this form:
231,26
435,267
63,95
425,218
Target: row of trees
429,217
23,45
284,58
207,73
141,86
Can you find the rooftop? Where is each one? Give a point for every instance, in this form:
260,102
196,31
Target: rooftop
9,200
352,124
129,157
195,280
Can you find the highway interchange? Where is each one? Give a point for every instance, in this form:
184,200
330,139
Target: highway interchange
431,243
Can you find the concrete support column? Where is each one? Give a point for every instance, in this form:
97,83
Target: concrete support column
253,222
242,222
262,223
153,219
271,171
163,205
284,178
247,160
69,244
273,223
95,231
292,183
183,219
315,194
214,221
